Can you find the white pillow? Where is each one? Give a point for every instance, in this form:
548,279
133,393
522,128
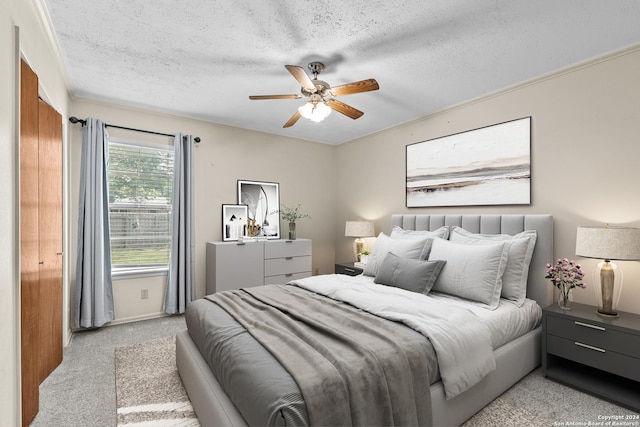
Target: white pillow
514,281
473,272
404,248
401,233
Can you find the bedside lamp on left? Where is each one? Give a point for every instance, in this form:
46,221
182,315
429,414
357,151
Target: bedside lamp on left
359,229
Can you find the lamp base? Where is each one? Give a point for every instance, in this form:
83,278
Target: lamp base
610,315
359,244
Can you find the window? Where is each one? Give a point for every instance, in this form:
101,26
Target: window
140,200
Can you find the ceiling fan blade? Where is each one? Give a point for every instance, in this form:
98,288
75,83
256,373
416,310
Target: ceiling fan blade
345,109
275,96
302,77
292,121
355,87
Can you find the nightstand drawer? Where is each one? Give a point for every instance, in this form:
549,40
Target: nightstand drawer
598,335
348,269
594,356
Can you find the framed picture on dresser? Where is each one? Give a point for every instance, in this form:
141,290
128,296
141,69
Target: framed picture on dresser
234,222
263,203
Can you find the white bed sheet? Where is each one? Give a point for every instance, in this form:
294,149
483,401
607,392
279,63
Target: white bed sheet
505,323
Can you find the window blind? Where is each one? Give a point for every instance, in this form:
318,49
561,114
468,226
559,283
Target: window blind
140,202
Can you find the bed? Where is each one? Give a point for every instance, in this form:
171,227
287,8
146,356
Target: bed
513,359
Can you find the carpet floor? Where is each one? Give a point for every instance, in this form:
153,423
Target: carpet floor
82,392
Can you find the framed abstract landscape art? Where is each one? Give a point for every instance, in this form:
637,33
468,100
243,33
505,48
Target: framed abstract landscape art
485,166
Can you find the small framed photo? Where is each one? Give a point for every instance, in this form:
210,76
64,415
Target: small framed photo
263,202
234,222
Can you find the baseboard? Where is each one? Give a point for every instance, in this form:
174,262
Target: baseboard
145,316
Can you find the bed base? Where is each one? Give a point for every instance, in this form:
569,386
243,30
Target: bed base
514,360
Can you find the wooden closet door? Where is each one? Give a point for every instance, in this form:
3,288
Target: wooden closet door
40,241
50,221
29,243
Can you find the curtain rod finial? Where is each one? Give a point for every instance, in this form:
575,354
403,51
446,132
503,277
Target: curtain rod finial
74,120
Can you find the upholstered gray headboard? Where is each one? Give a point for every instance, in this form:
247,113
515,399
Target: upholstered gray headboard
538,288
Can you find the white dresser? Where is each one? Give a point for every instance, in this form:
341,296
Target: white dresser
233,266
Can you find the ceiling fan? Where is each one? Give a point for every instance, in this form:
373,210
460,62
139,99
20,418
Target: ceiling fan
321,94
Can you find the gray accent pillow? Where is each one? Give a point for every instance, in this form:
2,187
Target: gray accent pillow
409,274
416,248
472,271
521,246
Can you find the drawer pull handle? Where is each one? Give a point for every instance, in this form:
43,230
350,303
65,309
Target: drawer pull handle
586,325
349,270
289,258
590,347
288,275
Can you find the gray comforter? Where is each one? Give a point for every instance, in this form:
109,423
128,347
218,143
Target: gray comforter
353,368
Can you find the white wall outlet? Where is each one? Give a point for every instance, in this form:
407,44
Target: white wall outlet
144,293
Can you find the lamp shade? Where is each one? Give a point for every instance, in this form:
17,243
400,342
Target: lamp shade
608,243
359,229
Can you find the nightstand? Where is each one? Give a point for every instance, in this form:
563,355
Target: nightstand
597,355
348,268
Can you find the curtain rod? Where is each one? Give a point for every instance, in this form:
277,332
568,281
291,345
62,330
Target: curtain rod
74,119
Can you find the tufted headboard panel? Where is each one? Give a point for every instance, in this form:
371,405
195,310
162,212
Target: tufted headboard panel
538,288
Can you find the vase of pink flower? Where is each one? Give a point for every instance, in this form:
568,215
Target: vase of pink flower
565,275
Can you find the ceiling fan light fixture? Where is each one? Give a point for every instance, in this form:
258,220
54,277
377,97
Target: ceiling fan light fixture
321,95
315,111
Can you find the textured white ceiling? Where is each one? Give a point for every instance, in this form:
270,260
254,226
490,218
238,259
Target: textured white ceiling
203,58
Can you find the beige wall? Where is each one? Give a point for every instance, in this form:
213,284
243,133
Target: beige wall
585,151
305,171
32,43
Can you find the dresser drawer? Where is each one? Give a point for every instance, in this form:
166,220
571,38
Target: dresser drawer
278,266
594,356
287,248
283,279
598,335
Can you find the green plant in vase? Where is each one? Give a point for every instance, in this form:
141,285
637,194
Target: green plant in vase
292,215
364,255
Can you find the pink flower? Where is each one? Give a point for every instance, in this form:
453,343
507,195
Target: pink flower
565,274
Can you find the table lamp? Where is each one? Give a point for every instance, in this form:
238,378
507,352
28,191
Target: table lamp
608,243
359,229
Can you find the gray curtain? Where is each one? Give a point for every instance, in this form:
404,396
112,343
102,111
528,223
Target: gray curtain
94,294
181,280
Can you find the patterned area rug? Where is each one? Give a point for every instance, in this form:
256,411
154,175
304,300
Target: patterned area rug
149,391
